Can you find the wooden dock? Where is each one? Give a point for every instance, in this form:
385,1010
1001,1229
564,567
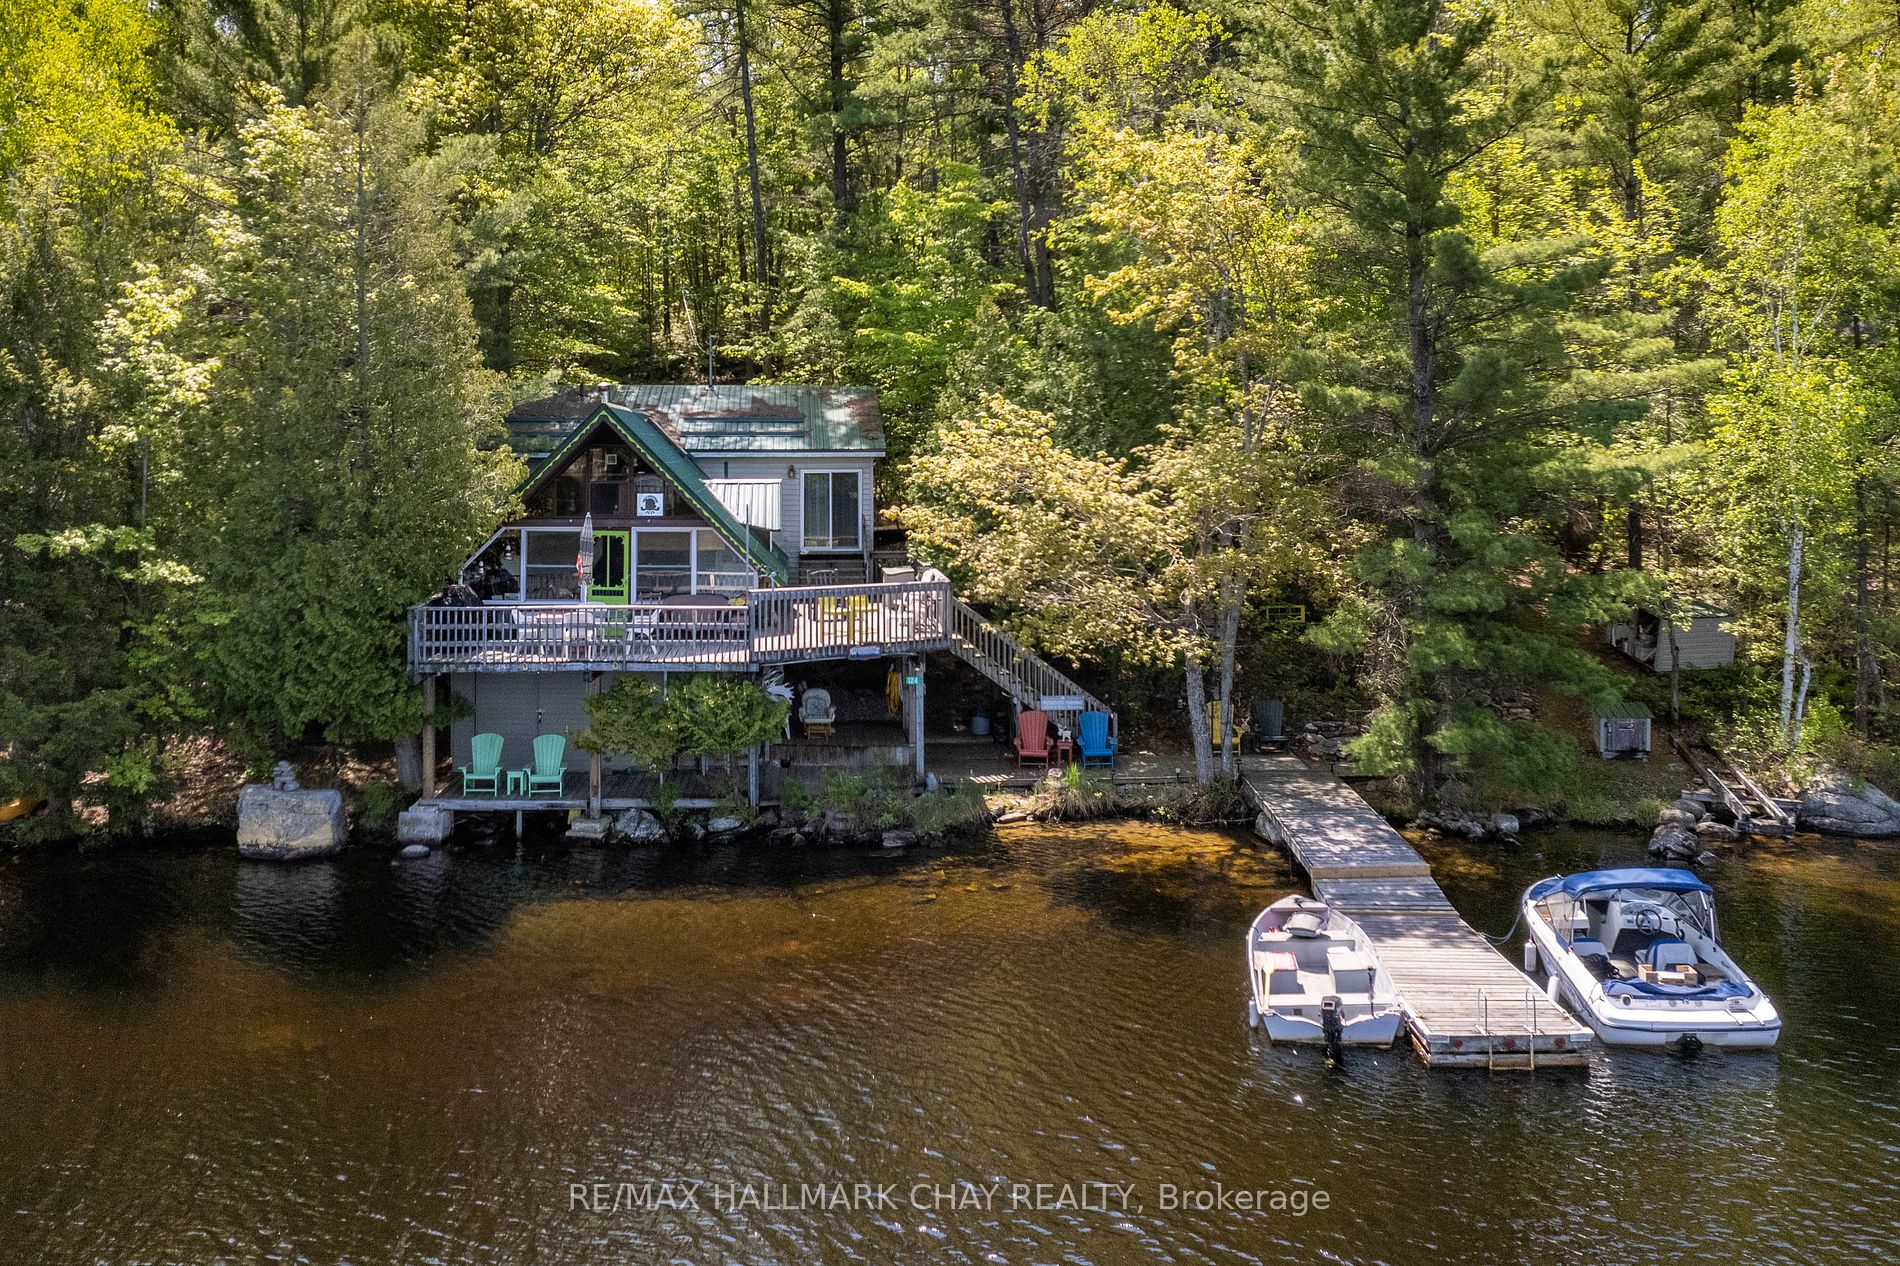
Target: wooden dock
1465,1004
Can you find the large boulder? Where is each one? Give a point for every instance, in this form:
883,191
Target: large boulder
1838,805
275,825
1673,844
637,826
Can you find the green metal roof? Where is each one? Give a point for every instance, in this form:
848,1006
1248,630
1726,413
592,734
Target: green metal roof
724,418
1623,711
659,450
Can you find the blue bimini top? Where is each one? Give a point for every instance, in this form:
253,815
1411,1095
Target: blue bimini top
1661,878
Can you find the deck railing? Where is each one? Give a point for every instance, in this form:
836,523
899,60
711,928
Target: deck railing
502,638
823,621
772,626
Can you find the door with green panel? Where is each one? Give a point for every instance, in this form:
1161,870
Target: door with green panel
611,572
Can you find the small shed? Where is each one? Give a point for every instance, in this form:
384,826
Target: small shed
1701,637
1623,730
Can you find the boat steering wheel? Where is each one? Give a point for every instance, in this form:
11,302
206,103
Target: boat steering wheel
1649,920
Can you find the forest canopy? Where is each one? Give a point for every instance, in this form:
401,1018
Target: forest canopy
1461,330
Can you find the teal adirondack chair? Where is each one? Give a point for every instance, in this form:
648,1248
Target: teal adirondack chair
548,774
483,771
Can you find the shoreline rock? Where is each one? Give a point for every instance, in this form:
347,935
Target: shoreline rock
1835,804
281,825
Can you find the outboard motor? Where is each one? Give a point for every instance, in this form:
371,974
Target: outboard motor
1333,1027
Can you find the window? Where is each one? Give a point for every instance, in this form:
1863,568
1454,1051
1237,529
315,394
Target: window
663,566
604,499
495,573
831,510
549,569
720,569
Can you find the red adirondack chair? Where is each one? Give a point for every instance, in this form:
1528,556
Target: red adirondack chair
1032,739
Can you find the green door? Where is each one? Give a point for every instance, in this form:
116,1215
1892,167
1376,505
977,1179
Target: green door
610,569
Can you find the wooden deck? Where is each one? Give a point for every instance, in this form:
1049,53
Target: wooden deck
766,626
1465,1004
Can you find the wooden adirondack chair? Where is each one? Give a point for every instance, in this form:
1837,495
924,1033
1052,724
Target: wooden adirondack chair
1094,745
1032,739
548,774
483,771
1213,725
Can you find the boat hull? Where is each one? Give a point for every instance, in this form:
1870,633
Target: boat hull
1716,1030
1757,1027
1372,1030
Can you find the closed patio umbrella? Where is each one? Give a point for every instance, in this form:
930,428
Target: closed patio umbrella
584,560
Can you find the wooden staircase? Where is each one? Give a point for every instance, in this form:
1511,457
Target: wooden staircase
1024,676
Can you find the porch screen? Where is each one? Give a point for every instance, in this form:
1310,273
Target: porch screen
831,509
720,568
663,566
550,571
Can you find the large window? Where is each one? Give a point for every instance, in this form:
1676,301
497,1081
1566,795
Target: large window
720,568
549,572
663,565
831,510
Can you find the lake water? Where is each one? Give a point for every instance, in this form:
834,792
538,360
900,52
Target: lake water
213,1061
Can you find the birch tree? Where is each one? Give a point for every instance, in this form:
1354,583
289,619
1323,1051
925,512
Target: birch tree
1795,249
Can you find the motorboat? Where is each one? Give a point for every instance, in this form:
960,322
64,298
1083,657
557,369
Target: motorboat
1316,978
1636,954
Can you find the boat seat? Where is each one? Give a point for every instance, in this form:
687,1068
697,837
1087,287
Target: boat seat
1351,970
1669,954
1283,971
1304,924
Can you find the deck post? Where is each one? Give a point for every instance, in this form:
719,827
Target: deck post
752,775
917,719
428,736
593,758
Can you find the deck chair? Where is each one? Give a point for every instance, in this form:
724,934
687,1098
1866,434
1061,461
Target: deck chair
1032,739
1094,745
483,771
817,713
1213,725
549,774
1269,723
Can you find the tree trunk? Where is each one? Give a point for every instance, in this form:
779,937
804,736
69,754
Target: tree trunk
837,19
751,145
1229,636
1197,721
1027,256
1866,667
1422,352
1791,634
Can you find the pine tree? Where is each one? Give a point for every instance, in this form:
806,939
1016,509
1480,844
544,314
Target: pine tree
1448,373
334,476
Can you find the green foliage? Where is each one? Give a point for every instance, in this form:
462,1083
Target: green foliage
382,802
633,719
716,714
702,714
1403,312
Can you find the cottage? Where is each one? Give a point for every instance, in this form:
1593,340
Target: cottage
1701,638
684,529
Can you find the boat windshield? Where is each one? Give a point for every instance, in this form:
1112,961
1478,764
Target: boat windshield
1694,909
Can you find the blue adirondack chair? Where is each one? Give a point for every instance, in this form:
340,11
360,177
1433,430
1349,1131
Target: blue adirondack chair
1093,741
549,774
483,771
